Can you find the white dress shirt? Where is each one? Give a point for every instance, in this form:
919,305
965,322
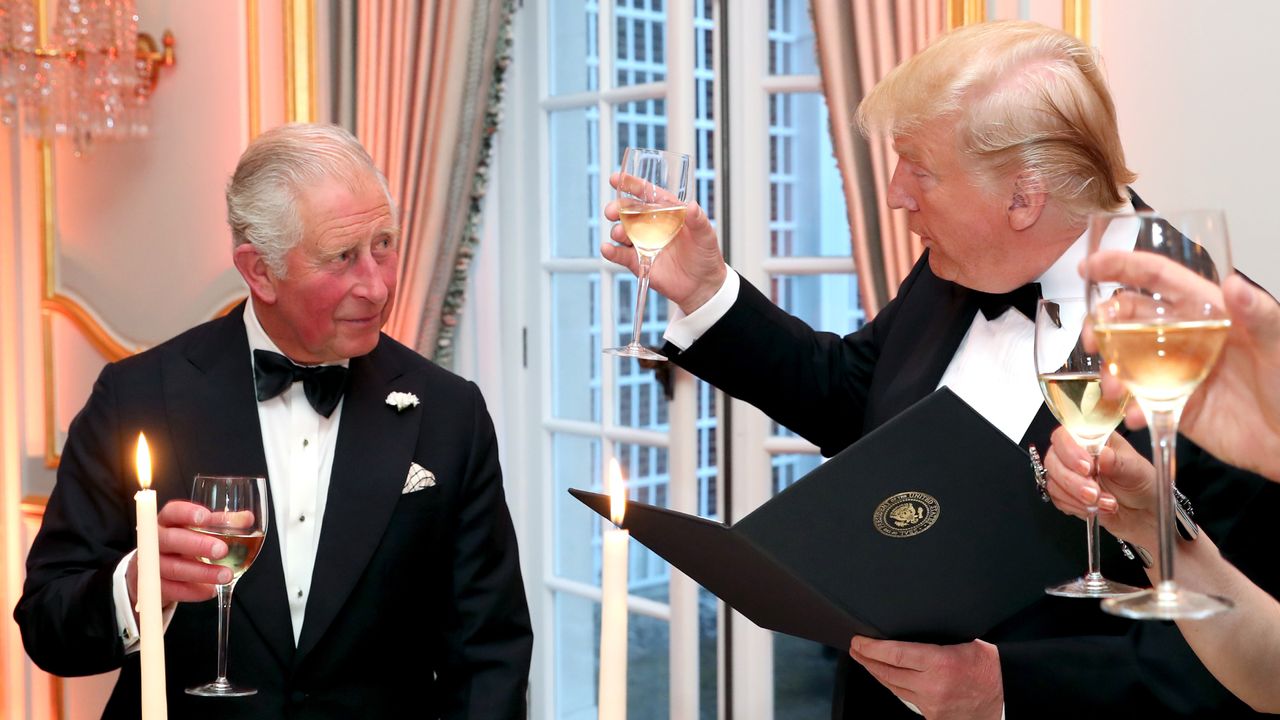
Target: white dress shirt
299,445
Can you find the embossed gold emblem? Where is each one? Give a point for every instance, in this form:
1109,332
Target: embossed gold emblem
906,514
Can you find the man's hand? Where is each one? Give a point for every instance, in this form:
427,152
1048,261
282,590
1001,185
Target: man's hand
690,269
184,577
942,681
1124,491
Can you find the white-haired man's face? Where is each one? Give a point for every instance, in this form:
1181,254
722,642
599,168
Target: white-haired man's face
341,277
968,230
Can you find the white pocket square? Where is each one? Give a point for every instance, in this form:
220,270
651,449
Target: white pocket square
419,478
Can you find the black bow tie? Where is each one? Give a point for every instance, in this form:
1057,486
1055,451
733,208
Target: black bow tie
1023,298
323,385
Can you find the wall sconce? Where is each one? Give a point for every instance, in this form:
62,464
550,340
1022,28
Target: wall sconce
89,76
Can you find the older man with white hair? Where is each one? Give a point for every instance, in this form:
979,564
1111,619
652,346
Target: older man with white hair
388,585
1007,139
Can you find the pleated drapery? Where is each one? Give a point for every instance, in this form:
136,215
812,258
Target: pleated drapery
858,43
428,85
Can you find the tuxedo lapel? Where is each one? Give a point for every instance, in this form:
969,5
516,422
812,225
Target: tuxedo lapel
1041,427
932,322
213,416
372,457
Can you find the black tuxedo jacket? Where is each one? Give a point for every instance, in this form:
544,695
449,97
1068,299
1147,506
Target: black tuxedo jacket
416,608
1060,657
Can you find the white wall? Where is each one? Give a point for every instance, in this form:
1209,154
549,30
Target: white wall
1198,96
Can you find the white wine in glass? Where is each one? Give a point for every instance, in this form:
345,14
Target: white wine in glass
237,515
1161,340
652,190
1071,381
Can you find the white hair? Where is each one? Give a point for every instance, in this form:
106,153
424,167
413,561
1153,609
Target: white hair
277,167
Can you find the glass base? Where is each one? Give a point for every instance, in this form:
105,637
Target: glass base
220,689
1092,586
634,351
1167,604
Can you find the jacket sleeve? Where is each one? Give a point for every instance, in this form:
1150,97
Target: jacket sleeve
489,648
814,383
66,613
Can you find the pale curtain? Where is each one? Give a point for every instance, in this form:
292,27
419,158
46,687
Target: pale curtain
858,43
428,82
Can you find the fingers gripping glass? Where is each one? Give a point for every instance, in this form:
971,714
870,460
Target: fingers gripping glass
652,190
237,516
1161,336
1071,380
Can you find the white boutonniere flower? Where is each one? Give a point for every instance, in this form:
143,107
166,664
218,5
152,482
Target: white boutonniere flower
402,400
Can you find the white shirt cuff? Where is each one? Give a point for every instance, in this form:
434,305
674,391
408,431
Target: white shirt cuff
126,624
684,330
916,710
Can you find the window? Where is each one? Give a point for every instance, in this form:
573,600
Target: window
613,73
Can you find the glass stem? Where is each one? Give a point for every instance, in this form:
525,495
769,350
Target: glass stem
646,264
224,629
1164,436
1091,526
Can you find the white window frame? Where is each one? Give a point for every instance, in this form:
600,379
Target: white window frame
526,268
752,444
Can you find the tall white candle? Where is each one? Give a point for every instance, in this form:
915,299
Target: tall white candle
150,611
613,611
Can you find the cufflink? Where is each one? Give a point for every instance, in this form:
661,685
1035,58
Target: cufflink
1039,473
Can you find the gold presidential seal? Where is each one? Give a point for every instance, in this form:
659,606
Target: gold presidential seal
906,514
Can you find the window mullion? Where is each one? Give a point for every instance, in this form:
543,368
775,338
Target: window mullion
751,657
683,460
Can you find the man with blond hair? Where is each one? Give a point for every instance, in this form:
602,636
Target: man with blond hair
1007,139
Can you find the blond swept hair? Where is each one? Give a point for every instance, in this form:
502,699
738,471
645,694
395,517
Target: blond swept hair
1028,102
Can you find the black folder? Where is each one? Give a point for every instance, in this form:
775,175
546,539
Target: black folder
928,529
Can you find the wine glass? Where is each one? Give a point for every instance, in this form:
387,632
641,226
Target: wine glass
652,187
1161,340
237,516
1071,380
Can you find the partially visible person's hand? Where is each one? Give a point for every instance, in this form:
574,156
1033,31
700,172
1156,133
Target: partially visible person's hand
941,681
1235,414
688,271
1124,492
184,577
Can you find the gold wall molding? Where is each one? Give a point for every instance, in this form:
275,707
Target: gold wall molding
965,12
254,71
1076,20
301,82
300,60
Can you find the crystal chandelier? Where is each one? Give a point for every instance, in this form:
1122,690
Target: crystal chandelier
88,76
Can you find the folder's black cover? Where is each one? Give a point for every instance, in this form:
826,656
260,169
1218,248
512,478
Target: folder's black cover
811,562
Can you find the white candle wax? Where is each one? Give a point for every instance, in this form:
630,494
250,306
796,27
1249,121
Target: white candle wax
612,701
150,610
613,626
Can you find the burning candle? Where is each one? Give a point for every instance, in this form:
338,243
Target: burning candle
613,611
150,611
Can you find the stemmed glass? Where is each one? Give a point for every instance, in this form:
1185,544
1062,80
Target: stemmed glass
237,517
1071,380
1161,342
652,187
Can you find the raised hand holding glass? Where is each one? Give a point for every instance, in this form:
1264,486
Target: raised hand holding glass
237,516
652,190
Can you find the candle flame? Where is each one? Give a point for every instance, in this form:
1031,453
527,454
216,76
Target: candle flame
142,460
617,493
